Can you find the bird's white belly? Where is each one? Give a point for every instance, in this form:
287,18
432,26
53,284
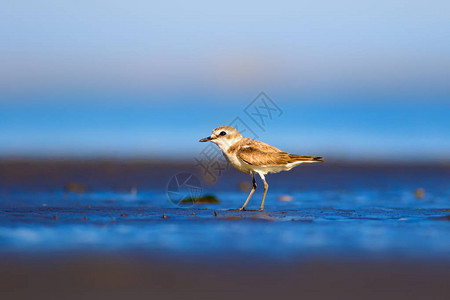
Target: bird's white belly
270,169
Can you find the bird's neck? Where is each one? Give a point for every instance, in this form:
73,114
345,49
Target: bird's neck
225,144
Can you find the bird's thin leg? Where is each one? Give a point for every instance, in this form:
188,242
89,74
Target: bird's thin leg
266,186
251,193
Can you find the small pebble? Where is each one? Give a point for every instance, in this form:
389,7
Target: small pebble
215,213
245,186
73,187
420,193
164,216
55,217
123,215
285,198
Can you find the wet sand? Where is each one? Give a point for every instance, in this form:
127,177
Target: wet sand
134,276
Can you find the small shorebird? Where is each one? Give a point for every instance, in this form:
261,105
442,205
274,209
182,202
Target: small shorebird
250,156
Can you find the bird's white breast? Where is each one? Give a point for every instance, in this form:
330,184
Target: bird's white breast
237,163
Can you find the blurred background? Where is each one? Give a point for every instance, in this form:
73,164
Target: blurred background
355,80
102,104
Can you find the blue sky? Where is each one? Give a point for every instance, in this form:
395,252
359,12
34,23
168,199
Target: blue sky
355,80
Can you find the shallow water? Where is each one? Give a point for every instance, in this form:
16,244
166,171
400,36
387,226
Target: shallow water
332,212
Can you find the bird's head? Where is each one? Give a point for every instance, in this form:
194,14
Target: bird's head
224,137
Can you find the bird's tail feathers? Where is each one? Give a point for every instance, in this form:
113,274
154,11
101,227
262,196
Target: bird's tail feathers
305,158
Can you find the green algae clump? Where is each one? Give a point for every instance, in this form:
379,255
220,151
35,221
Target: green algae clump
207,199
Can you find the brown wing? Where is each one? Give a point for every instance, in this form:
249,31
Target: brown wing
254,156
258,153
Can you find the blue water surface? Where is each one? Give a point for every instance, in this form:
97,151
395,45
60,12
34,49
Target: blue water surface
373,212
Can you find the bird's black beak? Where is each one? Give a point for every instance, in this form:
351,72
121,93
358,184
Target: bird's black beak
206,139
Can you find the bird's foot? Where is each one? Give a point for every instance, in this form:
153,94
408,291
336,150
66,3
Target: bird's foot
261,209
237,209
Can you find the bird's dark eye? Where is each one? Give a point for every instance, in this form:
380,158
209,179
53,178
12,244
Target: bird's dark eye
223,133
